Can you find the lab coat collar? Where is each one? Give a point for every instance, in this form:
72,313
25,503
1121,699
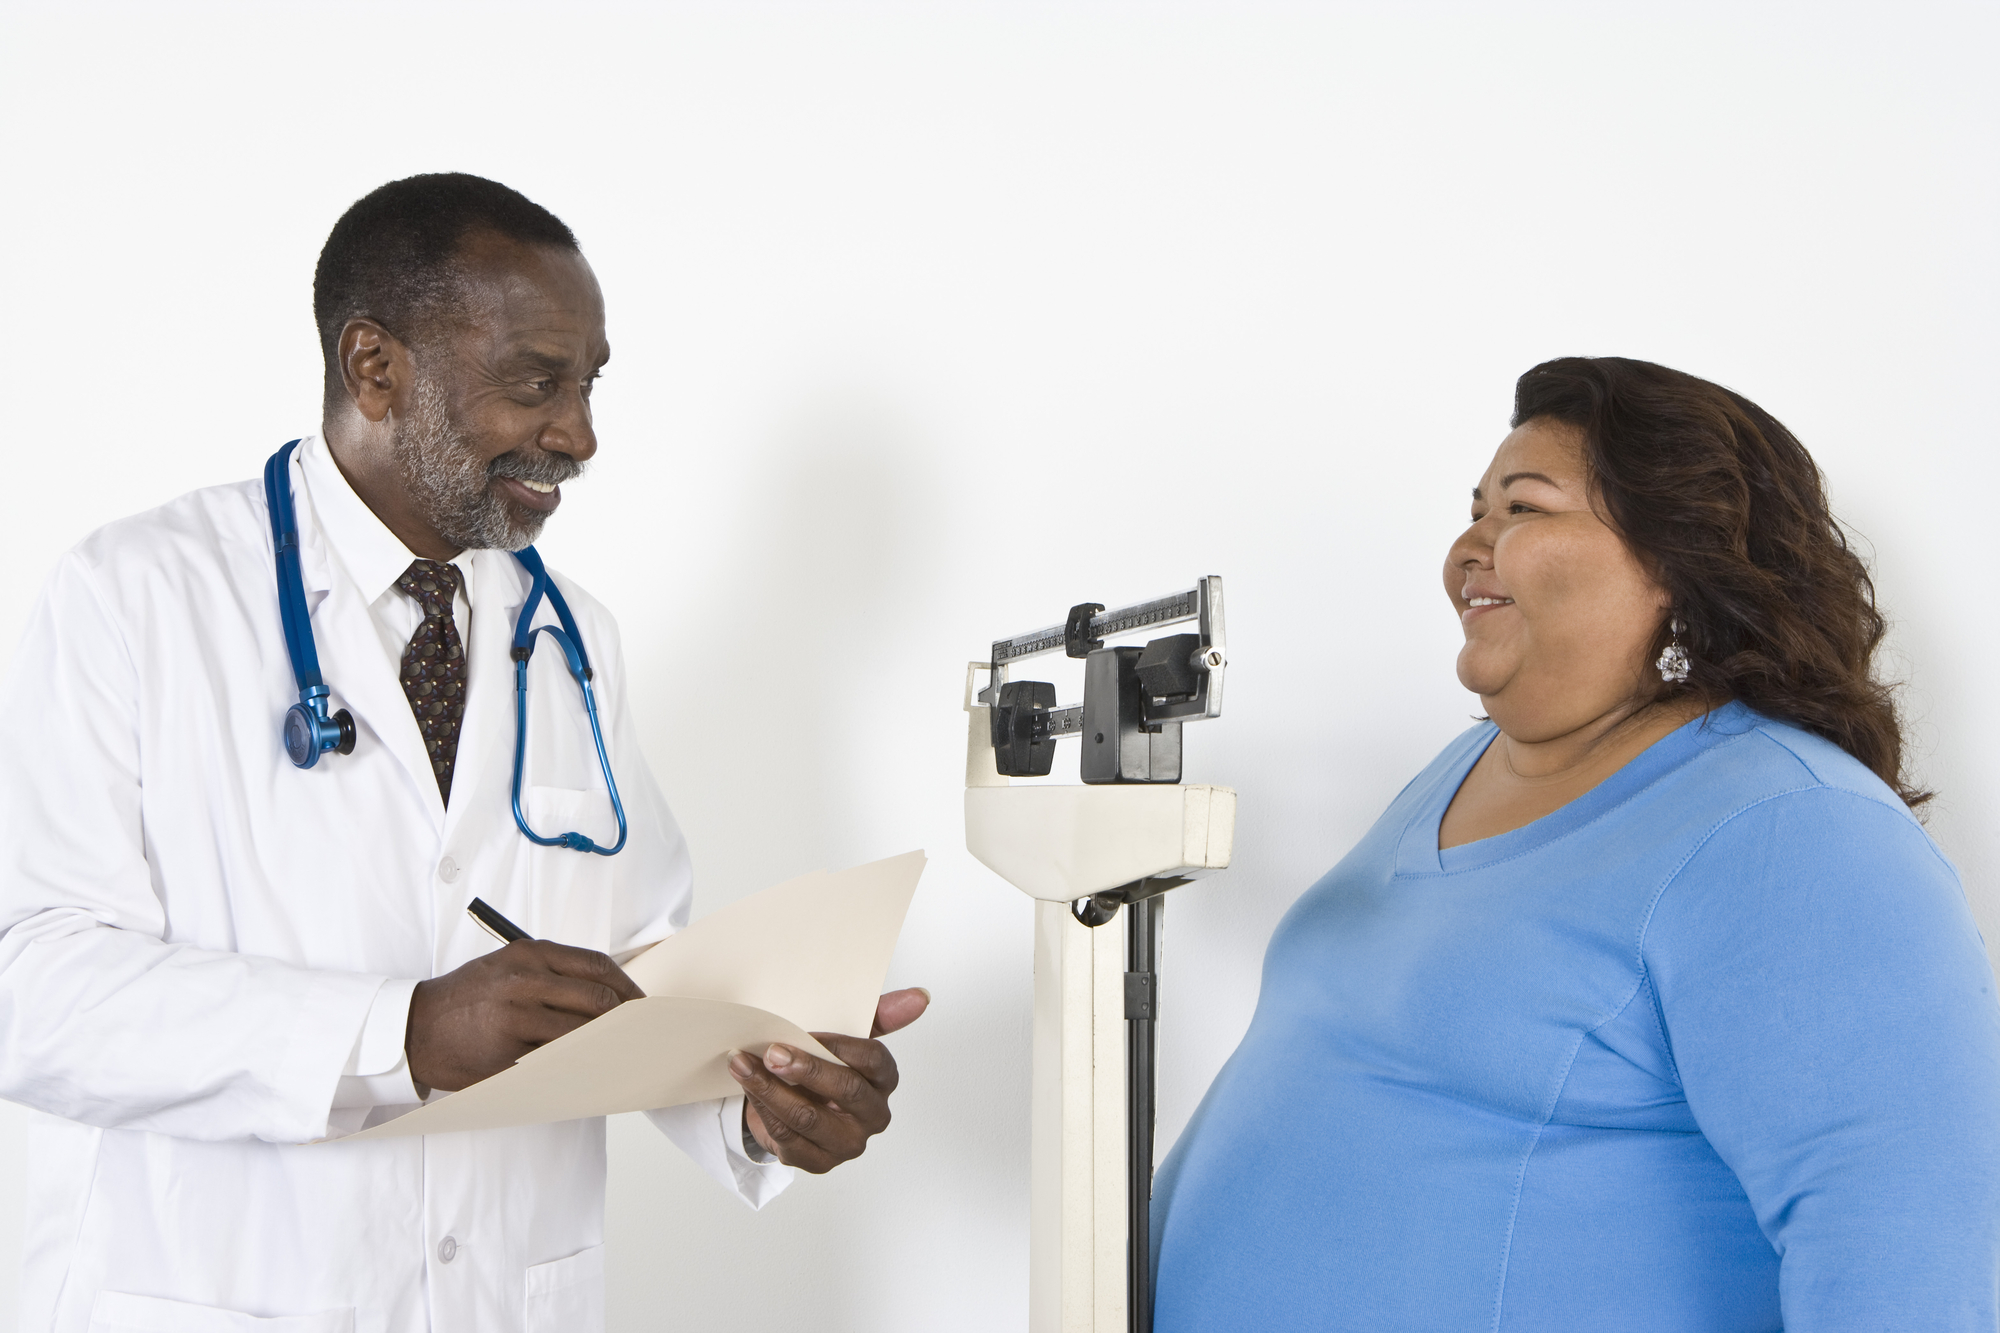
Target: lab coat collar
342,532
481,778
372,556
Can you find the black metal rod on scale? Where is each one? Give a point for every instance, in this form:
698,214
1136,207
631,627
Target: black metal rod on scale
1142,1011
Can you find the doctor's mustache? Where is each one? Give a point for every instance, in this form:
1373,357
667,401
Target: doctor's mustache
538,465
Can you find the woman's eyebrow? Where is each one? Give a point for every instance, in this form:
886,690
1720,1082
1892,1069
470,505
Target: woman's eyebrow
1513,477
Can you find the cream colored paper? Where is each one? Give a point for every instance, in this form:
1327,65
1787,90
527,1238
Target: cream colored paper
808,954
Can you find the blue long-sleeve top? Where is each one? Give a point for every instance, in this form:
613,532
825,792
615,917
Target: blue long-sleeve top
1713,1047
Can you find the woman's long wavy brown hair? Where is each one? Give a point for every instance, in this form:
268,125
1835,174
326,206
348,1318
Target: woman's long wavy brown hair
1729,512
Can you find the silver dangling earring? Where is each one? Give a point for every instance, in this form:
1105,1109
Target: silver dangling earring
1674,661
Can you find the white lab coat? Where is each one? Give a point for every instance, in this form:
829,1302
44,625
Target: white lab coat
194,936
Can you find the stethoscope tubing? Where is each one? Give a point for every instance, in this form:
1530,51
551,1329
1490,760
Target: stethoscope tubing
315,733
571,654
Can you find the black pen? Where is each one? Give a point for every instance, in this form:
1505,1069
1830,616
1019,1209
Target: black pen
499,927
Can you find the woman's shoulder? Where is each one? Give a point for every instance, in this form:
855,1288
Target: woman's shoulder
1792,828
1749,757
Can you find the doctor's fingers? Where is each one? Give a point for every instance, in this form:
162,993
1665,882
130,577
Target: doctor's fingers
584,965
791,1147
801,1129
556,975
796,1085
870,1059
572,999
898,1009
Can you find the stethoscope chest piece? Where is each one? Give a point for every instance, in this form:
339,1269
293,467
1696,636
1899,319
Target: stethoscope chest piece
310,733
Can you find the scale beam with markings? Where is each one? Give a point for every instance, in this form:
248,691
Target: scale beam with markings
1117,842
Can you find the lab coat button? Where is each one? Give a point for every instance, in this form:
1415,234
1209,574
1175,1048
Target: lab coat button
447,870
447,1250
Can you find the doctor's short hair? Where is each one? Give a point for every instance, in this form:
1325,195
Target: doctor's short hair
392,256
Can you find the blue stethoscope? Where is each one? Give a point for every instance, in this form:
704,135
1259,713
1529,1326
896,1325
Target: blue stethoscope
310,733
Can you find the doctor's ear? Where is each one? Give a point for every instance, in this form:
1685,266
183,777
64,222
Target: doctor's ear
376,369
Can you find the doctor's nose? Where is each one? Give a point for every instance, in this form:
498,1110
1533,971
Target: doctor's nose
572,431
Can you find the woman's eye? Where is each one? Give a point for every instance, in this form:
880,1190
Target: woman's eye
1518,508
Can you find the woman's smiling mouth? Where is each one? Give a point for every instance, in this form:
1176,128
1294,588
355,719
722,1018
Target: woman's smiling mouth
1479,606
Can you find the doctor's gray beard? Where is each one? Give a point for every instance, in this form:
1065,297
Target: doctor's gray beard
452,488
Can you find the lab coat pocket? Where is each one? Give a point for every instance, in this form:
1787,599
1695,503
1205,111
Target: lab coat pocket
554,811
567,1296
117,1312
572,889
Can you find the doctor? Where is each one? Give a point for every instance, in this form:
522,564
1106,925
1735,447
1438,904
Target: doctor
210,956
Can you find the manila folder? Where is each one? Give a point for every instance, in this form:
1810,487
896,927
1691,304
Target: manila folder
808,955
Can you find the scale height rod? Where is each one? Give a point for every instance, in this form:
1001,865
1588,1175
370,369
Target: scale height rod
1143,920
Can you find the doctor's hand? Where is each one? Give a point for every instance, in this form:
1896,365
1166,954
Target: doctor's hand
476,1021
815,1114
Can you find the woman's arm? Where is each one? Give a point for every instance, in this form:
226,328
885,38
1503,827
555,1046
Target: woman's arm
1830,1010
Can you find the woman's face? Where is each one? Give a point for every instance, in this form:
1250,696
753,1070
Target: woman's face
1559,615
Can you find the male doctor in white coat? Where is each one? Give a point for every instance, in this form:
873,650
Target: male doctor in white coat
210,957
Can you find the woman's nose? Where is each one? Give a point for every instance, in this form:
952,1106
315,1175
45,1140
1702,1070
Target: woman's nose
1474,548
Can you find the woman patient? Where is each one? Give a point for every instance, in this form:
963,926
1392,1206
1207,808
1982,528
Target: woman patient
1648,1005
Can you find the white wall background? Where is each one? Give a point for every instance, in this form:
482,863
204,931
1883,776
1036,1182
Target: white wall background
931,320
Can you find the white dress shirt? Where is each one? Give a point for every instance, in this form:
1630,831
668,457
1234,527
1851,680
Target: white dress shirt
207,955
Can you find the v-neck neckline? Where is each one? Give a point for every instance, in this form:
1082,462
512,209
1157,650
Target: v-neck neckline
1418,853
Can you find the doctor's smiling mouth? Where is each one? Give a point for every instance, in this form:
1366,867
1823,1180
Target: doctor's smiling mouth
475,503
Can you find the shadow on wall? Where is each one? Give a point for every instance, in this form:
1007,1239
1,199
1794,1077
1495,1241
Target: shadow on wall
825,566
784,713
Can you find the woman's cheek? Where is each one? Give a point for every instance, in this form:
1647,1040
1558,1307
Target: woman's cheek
1547,567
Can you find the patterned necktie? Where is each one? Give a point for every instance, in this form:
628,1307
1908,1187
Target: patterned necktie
434,666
